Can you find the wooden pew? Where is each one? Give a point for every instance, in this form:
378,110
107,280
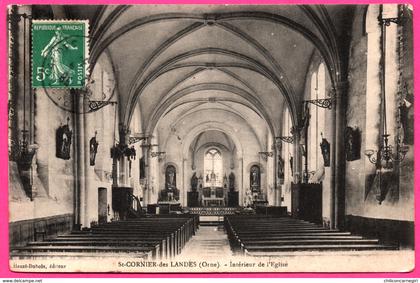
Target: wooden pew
155,237
267,236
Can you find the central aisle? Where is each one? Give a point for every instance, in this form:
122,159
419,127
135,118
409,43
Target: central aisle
208,242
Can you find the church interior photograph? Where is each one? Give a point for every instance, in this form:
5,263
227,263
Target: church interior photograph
223,134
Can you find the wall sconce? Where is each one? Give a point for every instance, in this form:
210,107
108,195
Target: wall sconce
386,154
136,139
266,154
158,154
286,139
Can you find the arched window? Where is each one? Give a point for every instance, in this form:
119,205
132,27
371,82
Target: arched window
317,122
213,168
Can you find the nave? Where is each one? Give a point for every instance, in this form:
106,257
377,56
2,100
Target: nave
165,237
290,128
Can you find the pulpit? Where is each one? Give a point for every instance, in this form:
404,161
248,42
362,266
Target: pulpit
307,202
121,201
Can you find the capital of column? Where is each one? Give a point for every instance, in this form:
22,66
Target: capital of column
340,88
295,131
124,133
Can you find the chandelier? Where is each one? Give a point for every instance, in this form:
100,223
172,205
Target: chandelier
385,155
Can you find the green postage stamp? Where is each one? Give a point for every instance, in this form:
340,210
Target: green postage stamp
59,53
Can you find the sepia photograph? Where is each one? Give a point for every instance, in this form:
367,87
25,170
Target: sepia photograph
211,138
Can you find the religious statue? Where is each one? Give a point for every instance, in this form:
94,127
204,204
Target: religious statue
255,178
170,177
353,143
170,193
248,201
232,181
200,181
291,165
63,141
93,149
406,120
225,181
325,150
280,169
194,182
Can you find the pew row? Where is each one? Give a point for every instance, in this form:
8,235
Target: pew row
148,237
273,236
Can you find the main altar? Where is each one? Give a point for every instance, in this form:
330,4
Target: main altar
213,192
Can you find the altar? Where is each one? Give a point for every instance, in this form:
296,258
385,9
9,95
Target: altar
212,191
213,196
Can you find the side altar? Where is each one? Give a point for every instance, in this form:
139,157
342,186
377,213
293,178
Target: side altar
168,200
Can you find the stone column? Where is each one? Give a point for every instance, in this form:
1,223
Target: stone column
297,156
241,187
147,186
91,193
123,162
80,200
338,156
277,188
184,185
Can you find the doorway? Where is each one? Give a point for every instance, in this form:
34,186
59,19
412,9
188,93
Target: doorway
102,205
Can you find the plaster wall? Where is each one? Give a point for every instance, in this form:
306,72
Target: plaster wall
363,113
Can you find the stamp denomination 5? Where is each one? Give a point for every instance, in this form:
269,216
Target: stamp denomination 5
59,53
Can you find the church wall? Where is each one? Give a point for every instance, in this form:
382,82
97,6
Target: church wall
134,175
54,178
316,60
47,171
361,204
105,123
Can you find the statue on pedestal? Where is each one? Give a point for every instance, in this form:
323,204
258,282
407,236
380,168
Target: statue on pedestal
231,182
255,178
170,193
194,182
325,150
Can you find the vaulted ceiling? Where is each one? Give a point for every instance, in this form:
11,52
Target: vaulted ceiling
250,60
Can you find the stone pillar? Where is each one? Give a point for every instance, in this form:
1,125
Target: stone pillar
277,188
297,156
147,187
91,189
80,199
241,187
338,156
184,186
123,162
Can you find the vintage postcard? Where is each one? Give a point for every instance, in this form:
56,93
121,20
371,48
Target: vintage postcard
211,138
